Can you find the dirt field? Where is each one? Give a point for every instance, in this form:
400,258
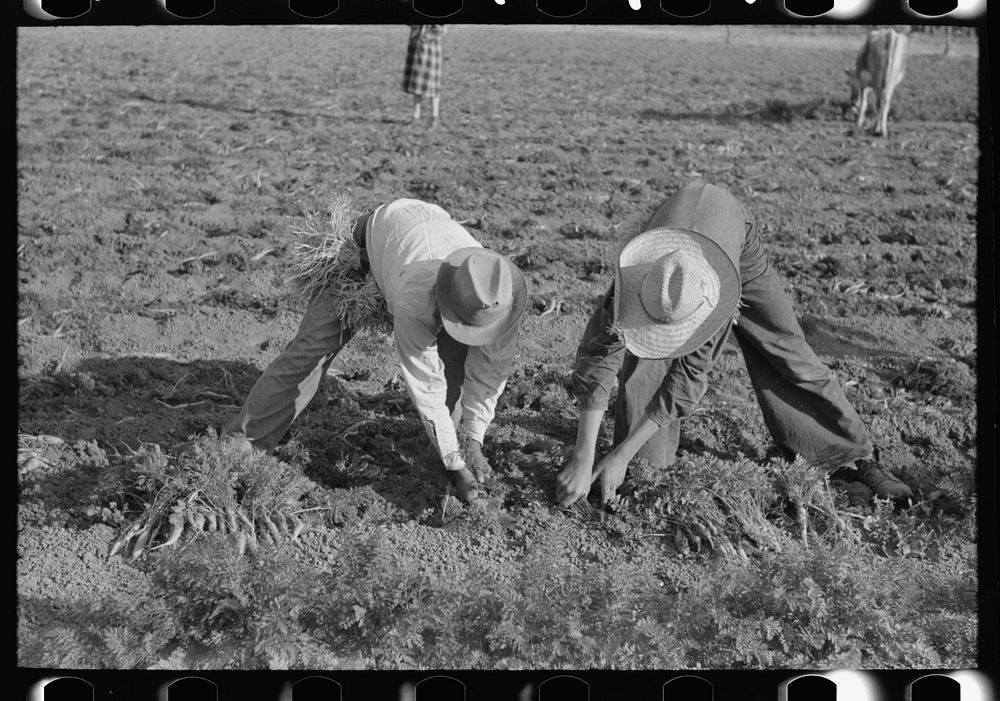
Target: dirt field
159,170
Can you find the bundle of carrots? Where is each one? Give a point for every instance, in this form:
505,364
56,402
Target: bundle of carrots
326,261
215,486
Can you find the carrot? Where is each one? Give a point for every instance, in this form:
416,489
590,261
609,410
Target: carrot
800,516
680,541
704,534
145,535
282,522
245,521
272,529
33,463
128,535
196,519
231,516
176,521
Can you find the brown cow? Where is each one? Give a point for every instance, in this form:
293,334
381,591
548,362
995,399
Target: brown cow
879,68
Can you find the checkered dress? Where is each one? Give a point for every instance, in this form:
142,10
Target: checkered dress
422,75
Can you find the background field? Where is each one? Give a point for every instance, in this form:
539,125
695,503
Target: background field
159,171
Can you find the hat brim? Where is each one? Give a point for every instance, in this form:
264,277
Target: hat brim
647,337
466,333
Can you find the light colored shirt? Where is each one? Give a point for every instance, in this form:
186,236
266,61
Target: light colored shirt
407,240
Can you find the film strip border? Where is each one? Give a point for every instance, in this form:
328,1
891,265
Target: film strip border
910,685
787,685
960,12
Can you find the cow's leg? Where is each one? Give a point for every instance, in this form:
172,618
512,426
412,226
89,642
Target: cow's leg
877,114
863,107
878,100
883,127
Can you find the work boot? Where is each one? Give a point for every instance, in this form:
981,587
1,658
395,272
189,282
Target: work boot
882,482
885,484
464,484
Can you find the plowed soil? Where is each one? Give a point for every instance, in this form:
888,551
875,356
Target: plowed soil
159,169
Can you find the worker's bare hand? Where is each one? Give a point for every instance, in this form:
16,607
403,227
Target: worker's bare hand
477,462
611,472
574,480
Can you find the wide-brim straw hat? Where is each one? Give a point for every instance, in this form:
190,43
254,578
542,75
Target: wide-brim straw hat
675,288
481,295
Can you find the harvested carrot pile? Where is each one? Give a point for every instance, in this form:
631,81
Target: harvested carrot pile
216,485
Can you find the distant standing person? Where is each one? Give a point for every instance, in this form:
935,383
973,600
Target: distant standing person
422,74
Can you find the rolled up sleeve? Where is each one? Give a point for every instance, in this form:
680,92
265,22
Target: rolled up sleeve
423,372
599,357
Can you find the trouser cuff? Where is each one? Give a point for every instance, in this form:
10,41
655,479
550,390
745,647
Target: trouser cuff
842,458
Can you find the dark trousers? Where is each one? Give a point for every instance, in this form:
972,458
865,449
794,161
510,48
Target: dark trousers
802,402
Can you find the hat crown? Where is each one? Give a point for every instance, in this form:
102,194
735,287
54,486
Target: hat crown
676,285
482,289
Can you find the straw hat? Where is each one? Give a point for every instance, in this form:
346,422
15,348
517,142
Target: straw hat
480,294
674,289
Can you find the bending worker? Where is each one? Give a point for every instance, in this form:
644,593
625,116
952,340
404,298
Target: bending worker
455,310
697,273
